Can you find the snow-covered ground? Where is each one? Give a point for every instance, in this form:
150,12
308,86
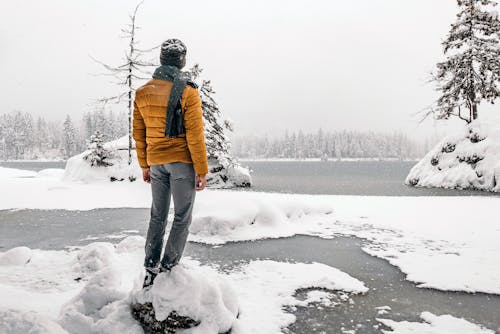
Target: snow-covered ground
470,159
447,243
88,290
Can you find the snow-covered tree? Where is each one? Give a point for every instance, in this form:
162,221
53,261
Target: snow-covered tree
70,138
470,73
217,128
129,73
224,169
98,155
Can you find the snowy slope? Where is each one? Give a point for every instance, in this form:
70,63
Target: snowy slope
469,159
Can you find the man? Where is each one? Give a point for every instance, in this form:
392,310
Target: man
170,145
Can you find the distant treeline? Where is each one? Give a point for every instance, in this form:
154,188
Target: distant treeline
23,136
331,144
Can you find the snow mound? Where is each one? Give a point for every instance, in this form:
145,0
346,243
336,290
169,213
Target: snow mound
256,216
101,306
95,256
467,160
16,256
79,170
97,307
17,321
444,324
194,292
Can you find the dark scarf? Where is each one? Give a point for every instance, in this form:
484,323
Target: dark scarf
174,122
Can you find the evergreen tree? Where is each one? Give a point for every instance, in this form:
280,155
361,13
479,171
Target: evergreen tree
470,73
69,139
224,170
217,128
98,155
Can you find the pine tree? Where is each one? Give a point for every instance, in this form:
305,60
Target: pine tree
224,169
98,155
69,139
471,72
217,128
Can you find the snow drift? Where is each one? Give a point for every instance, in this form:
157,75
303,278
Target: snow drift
467,160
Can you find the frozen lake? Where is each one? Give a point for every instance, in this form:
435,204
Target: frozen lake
55,229
384,178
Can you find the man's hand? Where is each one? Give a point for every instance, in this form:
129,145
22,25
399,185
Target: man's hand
146,175
201,182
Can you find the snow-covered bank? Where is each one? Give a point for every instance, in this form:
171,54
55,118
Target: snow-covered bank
98,279
469,159
453,249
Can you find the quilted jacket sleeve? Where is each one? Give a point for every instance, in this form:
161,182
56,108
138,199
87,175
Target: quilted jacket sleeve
139,134
195,135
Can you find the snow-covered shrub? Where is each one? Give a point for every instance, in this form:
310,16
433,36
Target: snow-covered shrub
467,160
97,154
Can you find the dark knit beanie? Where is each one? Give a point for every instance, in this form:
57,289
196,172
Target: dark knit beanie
173,52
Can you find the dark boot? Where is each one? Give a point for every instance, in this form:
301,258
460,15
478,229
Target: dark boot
151,274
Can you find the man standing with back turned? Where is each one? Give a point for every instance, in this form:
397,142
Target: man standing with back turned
170,145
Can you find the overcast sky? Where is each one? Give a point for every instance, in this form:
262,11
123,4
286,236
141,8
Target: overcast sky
275,65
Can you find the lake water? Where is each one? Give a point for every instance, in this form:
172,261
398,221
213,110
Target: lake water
383,178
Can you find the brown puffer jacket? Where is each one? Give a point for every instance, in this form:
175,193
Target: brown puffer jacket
150,107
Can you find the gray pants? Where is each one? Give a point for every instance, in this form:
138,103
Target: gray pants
178,179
